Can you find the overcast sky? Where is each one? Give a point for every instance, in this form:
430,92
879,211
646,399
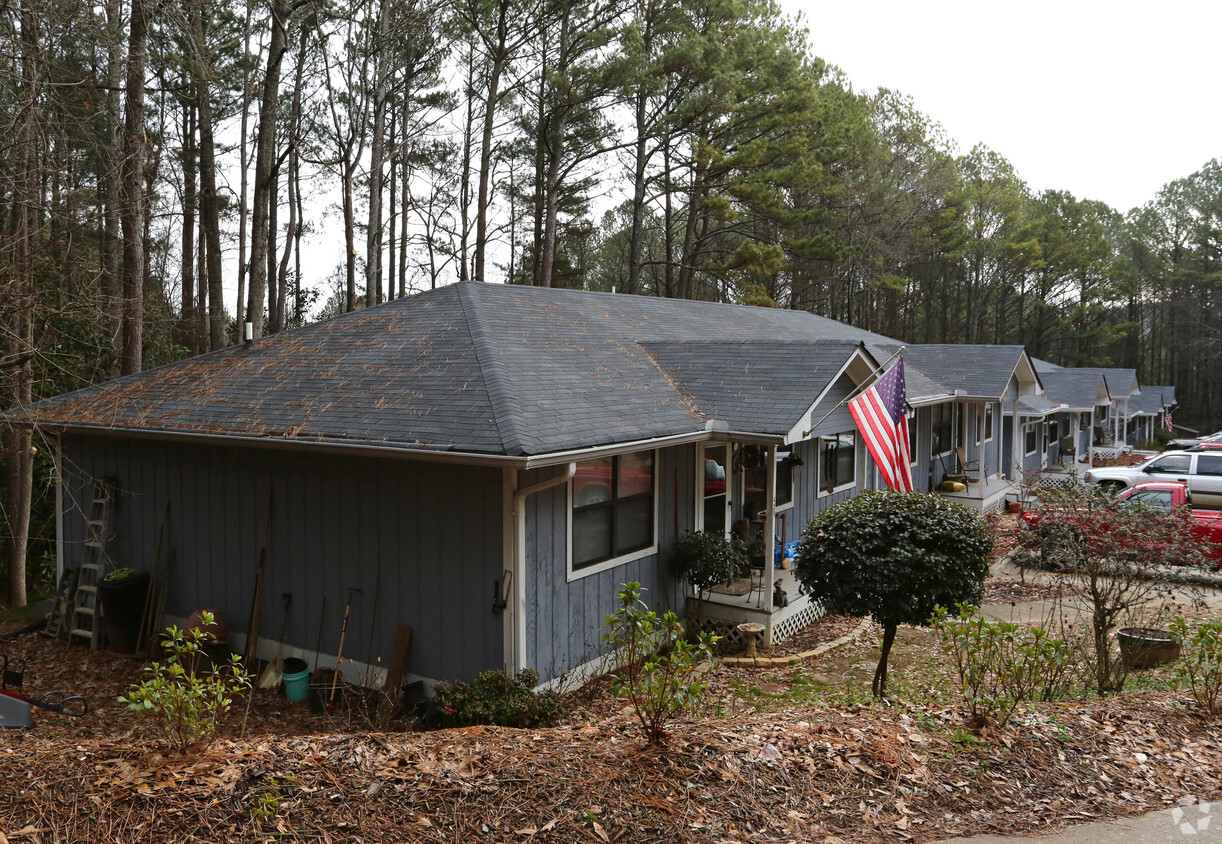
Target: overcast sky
1109,101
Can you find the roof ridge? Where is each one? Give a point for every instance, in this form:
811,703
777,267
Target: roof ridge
506,410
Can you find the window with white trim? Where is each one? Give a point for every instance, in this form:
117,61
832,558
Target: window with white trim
1032,438
613,508
837,462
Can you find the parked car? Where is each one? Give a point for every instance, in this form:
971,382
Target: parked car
1161,495
1181,443
1201,471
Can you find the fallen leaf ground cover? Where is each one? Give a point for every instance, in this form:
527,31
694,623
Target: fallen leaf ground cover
794,753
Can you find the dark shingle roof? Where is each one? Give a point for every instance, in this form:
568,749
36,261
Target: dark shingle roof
1036,406
1151,401
470,367
979,371
762,386
1077,389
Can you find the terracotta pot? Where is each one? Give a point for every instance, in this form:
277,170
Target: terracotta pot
1014,506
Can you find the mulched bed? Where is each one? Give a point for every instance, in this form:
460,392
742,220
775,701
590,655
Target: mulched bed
824,774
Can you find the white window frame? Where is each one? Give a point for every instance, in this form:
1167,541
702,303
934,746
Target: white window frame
781,508
990,422
858,446
698,512
914,439
632,556
1031,427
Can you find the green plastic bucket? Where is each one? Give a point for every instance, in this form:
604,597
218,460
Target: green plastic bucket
296,676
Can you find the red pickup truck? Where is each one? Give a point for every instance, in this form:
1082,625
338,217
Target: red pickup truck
1166,495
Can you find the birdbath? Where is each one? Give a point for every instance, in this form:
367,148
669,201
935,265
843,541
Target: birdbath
750,631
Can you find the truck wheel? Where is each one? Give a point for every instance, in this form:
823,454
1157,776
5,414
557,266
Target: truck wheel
1112,487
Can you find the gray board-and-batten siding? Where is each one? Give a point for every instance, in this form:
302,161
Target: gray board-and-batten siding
422,541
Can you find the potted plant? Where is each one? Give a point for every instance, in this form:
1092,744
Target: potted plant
122,594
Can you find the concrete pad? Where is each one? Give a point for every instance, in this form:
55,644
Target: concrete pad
1192,823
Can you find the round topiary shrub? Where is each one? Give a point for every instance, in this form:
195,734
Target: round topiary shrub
895,556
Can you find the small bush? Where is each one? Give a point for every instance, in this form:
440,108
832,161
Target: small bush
896,556
659,665
497,699
998,665
187,706
705,560
1200,665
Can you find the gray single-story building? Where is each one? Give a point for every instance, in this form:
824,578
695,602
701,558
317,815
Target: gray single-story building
484,463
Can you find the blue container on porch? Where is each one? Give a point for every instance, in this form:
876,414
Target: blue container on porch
296,676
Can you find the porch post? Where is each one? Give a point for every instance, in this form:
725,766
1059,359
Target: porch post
980,461
769,538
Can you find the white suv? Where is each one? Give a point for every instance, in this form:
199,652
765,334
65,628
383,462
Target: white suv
1202,471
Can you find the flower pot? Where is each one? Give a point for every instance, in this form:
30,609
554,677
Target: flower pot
1014,506
122,603
1144,647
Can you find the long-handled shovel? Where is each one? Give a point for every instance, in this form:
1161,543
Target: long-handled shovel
275,669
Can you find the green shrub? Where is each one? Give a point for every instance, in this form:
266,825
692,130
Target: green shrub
895,556
187,705
658,673
705,560
1200,665
496,698
998,664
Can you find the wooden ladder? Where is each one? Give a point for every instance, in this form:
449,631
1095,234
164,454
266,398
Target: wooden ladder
86,613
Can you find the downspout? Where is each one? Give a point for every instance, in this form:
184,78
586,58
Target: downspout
519,561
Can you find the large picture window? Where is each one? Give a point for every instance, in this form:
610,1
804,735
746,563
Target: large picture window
837,462
613,510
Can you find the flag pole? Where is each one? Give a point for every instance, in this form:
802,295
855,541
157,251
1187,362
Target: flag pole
852,394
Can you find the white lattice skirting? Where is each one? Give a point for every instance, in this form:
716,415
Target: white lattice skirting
782,628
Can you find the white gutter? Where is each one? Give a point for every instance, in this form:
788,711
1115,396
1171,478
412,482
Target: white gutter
410,452
516,622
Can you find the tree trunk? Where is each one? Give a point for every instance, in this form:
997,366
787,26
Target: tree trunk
377,159
112,192
187,255
244,167
18,312
209,209
132,177
265,161
500,56
879,686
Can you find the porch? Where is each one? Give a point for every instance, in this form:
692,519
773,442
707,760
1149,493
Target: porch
750,600
986,496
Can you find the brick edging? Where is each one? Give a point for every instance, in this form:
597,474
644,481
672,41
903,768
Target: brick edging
794,659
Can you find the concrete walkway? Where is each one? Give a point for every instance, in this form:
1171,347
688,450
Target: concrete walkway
1186,825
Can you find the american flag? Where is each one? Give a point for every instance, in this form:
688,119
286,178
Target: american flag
1167,420
881,414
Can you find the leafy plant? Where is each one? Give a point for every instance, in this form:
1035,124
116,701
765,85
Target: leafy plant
498,699
705,560
998,664
896,556
1200,665
187,704
1112,553
120,574
658,673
